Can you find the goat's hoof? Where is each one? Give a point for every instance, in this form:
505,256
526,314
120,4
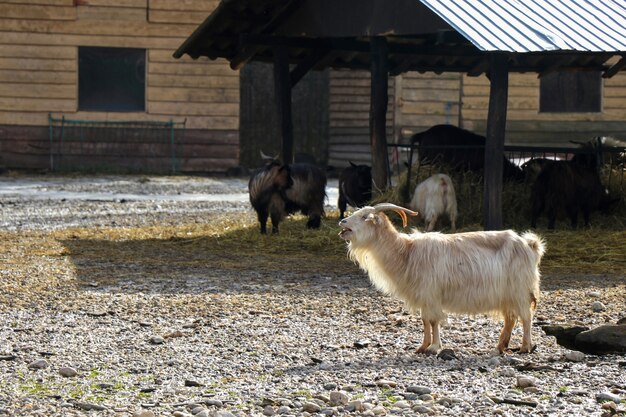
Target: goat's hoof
432,350
526,349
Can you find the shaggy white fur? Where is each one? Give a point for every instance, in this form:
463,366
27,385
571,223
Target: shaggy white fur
493,272
433,197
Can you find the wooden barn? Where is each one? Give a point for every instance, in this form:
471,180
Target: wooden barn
199,115
92,84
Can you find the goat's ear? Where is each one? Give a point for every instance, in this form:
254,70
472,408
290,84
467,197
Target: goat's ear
373,218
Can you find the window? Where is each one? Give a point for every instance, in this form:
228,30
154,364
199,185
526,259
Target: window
578,91
111,79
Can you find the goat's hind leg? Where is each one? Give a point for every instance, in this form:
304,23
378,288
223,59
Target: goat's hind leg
505,335
527,343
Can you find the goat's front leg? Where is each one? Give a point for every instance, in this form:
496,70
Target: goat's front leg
427,337
436,343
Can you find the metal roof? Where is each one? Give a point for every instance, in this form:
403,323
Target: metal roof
423,35
537,25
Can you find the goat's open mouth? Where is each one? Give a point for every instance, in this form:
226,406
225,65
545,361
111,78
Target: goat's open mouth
344,232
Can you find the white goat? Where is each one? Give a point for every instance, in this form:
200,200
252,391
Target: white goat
433,197
474,272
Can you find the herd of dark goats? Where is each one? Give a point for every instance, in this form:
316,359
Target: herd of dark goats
569,185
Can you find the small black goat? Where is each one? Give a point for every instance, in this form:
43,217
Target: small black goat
355,187
571,187
277,190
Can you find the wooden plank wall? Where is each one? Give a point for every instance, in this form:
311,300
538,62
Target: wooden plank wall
527,126
39,74
349,137
426,100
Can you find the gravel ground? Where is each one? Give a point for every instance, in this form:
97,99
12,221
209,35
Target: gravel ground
216,343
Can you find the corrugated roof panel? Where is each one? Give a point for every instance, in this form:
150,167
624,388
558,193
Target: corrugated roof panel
537,25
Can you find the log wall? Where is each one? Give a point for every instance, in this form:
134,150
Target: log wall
39,43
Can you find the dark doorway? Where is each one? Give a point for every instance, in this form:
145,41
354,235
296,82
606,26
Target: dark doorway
259,127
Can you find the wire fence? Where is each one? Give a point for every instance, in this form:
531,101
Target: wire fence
118,146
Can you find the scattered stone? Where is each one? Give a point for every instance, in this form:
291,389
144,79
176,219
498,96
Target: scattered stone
447,355
361,344
38,364
575,356
355,405
526,381
176,333
418,389
7,357
338,398
595,294
68,372
89,406
157,340
144,413
565,335
192,383
609,338
268,410
214,403
311,407
607,396
385,383
597,307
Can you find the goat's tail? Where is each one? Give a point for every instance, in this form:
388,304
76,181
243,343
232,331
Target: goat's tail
536,243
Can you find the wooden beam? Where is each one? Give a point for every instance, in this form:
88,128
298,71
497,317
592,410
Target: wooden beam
378,114
618,66
307,64
494,146
282,87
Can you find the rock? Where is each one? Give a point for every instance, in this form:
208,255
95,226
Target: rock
157,340
607,396
311,407
575,356
401,405
595,294
386,383
268,410
565,335
68,372
143,413
89,406
622,320
609,338
223,413
38,364
379,410
192,383
338,398
597,307
419,390
214,403
355,405
526,381
447,355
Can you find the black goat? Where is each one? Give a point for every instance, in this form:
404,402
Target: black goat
281,189
355,187
460,149
571,187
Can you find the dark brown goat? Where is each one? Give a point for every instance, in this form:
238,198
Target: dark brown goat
459,148
355,187
277,190
570,187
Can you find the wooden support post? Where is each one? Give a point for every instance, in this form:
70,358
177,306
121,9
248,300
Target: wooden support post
378,114
282,88
494,147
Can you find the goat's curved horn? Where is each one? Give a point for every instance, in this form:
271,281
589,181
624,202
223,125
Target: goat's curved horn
271,158
400,210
